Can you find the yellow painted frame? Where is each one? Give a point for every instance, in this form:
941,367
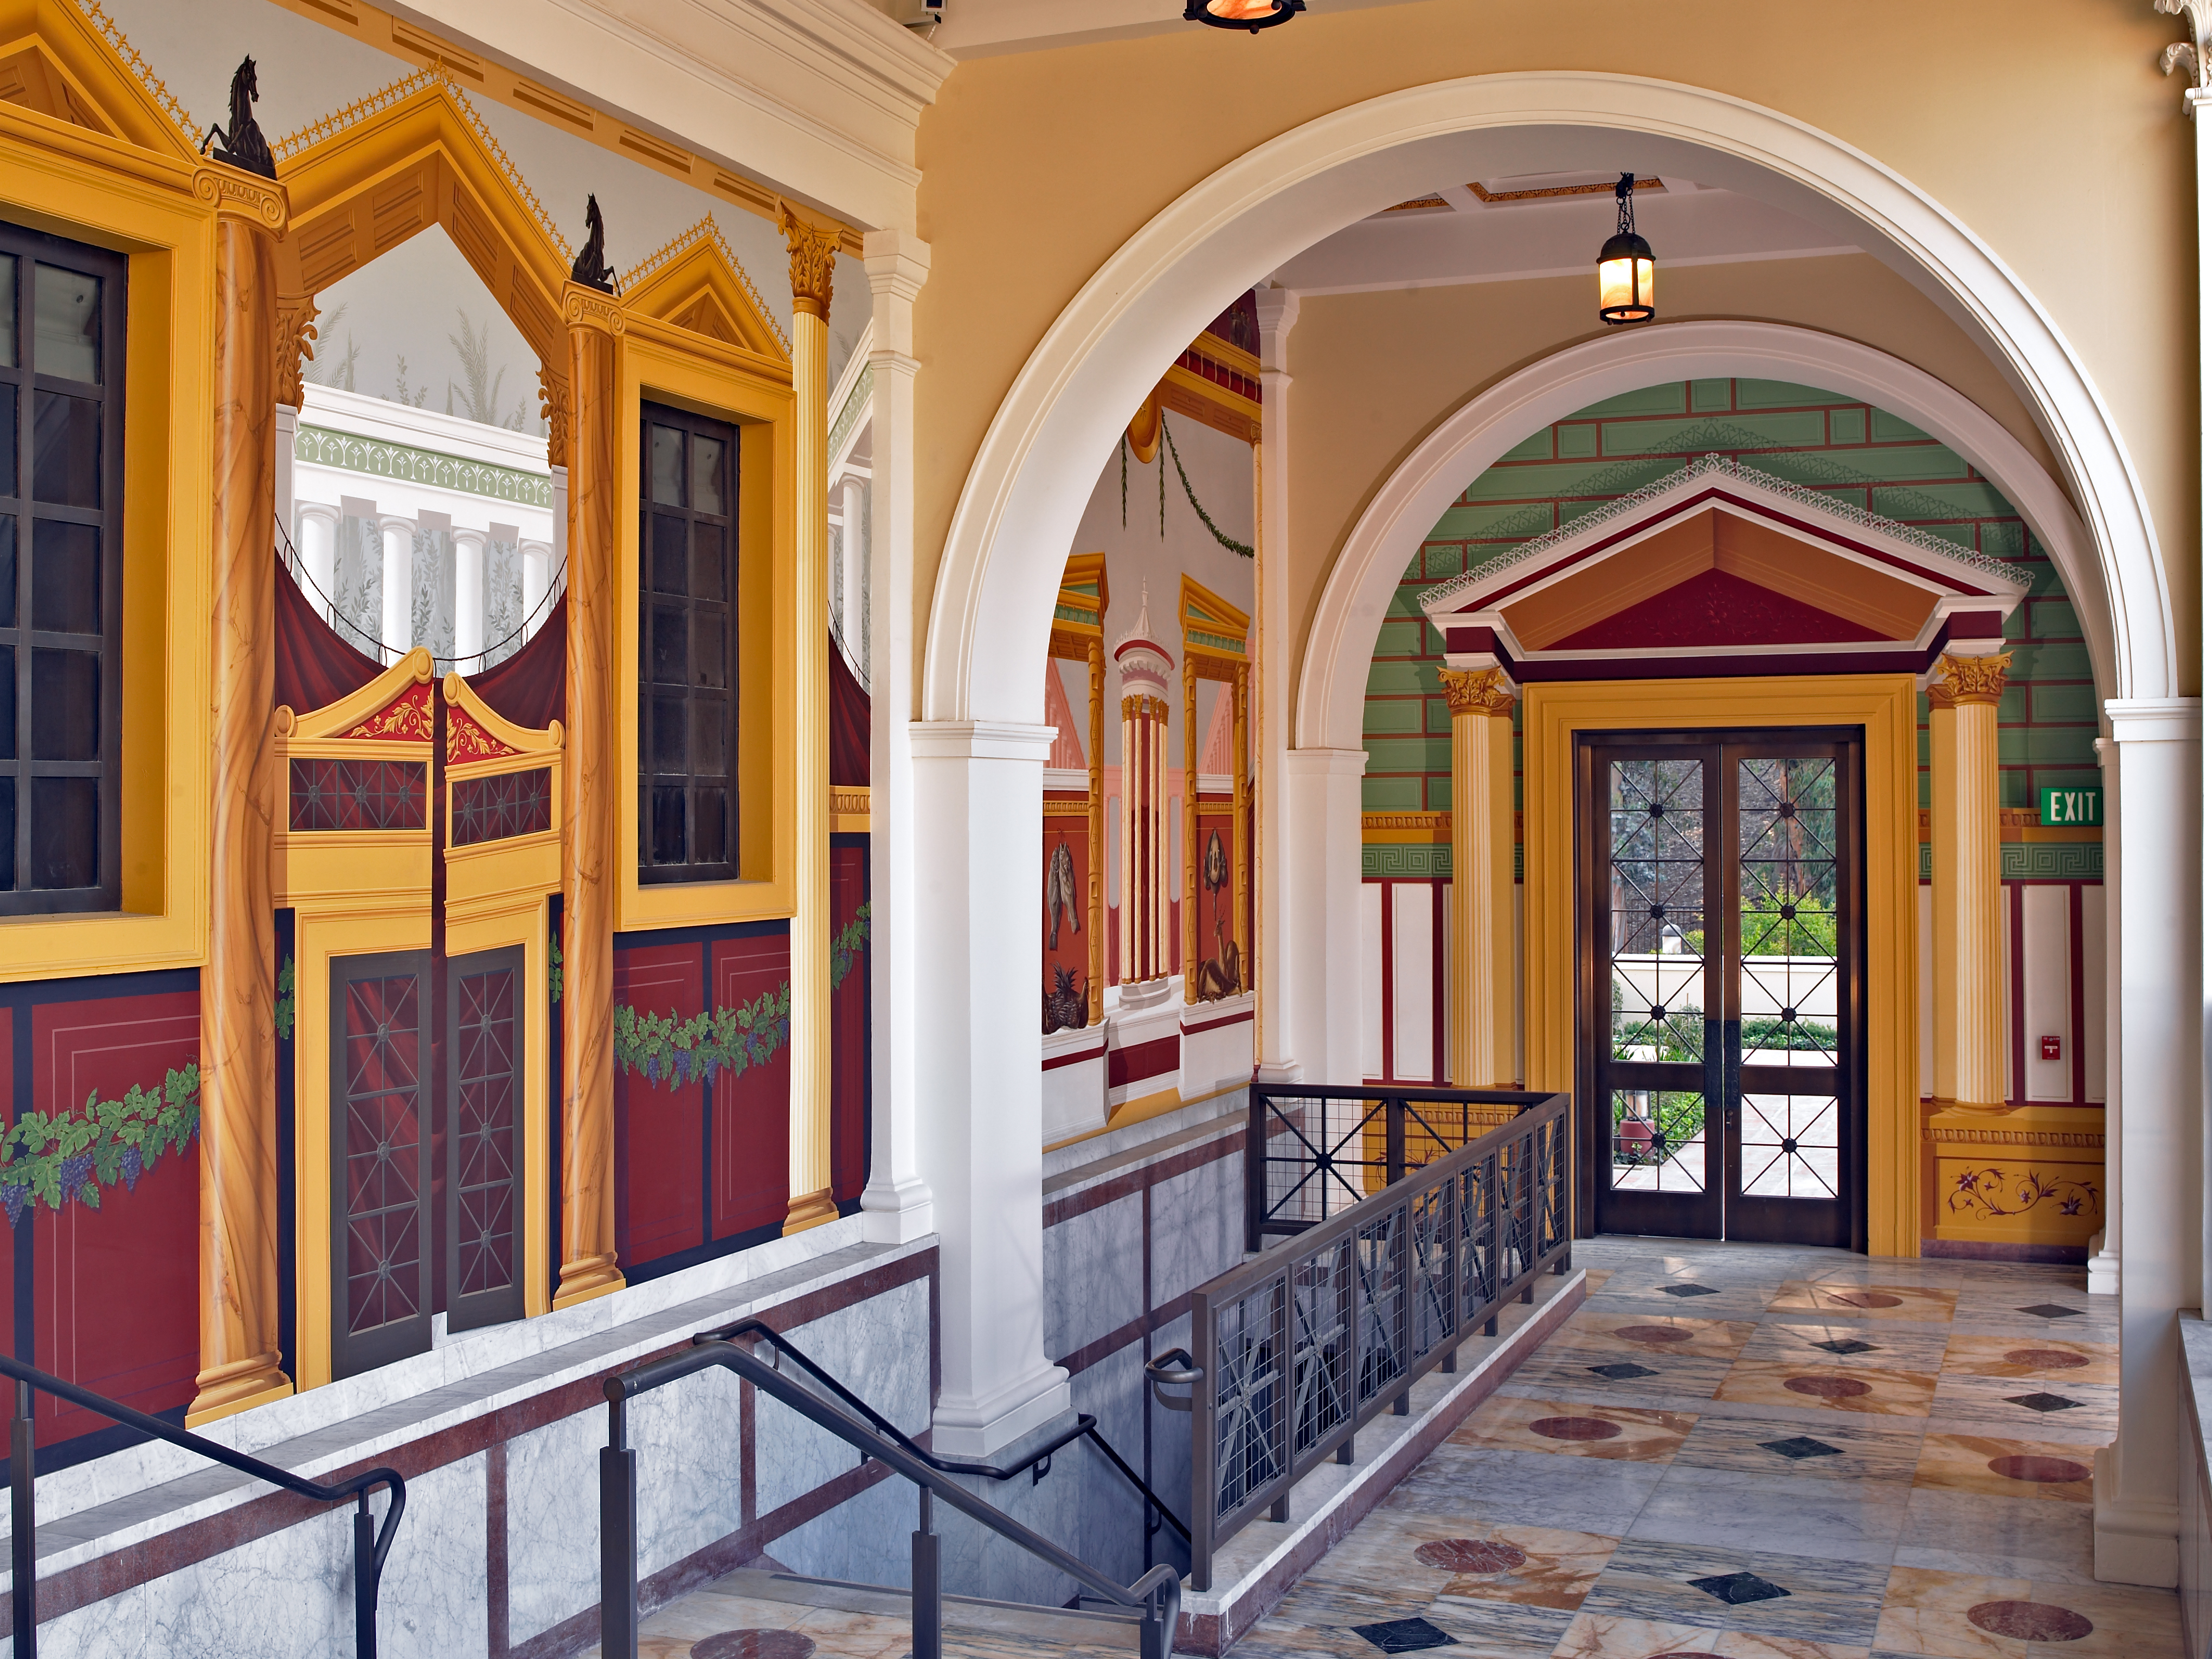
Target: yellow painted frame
1885,708
661,362
352,892
69,179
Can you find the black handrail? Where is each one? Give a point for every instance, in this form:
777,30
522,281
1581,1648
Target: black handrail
1039,1463
371,1544
1156,1597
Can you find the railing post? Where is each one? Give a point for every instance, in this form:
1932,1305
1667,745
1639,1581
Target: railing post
22,1460
1255,1167
1394,1140
928,1589
617,1539
364,1577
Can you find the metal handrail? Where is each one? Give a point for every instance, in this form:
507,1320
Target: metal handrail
371,1543
1303,1344
1039,1464
1156,1597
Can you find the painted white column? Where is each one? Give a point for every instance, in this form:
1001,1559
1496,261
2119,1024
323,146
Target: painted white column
852,559
1319,911
1277,1048
537,560
397,628
2153,1112
896,1205
979,789
2104,1246
468,597
318,541
287,436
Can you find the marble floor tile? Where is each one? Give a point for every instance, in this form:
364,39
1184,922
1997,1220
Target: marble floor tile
1470,1559
1606,1636
1955,1616
2078,1415
1837,1449
1580,1494
1491,1631
1687,1377
1637,1333
1858,1300
1780,1593
2046,1471
1965,1532
1829,1520
1889,1344
2051,1362
1871,1389
1551,1425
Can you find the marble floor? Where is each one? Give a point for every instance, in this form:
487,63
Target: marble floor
1743,1451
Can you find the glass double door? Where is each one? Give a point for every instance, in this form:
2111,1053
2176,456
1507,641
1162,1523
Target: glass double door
1722,1041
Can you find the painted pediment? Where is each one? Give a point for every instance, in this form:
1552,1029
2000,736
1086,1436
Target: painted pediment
697,283
58,61
1722,568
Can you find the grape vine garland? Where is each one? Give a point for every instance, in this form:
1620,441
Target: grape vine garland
73,1156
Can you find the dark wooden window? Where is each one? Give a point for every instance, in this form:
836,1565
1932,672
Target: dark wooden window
687,740
61,588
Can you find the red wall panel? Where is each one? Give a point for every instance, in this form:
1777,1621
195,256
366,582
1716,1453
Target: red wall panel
848,1031
1072,950
752,1112
657,1125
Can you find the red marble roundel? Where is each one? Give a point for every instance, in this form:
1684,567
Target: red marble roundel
2026,1621
1574,1428
755,1644
1651,1334
2045,1359
2030,1465
1474,1555
1828,1388
1865,1299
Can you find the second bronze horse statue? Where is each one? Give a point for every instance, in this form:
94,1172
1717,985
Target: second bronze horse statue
242,143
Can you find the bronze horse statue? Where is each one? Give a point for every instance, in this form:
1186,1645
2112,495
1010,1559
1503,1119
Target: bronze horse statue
592,268
241,142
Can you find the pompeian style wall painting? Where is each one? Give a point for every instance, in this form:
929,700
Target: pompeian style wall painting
504,1068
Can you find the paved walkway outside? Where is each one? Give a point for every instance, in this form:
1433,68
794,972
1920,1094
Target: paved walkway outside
1742,1451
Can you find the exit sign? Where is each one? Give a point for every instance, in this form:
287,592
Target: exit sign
2074,806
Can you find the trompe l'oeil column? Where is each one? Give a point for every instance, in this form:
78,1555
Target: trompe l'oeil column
1967,893
1481,703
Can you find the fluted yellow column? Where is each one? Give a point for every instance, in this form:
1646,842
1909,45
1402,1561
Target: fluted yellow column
813,257
1481,703
1967,889
589,1267
239,1363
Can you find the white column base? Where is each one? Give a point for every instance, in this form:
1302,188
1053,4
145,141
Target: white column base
2104,1265
1275,1074
897,1213
981,1428
2134,1543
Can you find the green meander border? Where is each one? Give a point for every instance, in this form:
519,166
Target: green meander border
2020,861
375,459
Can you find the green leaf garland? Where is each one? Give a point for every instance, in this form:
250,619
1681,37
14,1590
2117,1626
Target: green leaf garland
73,1156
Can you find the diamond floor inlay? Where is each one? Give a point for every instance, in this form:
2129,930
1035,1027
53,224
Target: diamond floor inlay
1844,1345
1737,1588
1626,1371
1802,1446
1687,1289
1404,1635
2044,1402
2052,1310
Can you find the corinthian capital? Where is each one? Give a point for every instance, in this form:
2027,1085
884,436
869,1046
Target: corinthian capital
813,262
1478,691
1968,679
2194,54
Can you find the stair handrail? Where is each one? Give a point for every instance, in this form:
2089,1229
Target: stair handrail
371,1543
1038,1463
1155,1597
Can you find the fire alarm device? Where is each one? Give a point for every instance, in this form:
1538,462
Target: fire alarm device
2051,1048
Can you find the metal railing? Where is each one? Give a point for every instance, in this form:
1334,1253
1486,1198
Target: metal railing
1312,1152
1155,1600
371,1543
1300,1346
1038,1463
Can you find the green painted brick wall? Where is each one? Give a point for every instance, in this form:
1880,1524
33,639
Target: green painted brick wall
2047,721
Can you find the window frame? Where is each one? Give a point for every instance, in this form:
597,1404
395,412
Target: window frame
30,248
651,414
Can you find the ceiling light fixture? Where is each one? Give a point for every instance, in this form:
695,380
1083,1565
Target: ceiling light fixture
1624,264
1253,15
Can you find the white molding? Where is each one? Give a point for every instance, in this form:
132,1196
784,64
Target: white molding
1035,469
981,740
380,420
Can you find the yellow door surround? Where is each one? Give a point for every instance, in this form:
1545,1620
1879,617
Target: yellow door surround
1884,707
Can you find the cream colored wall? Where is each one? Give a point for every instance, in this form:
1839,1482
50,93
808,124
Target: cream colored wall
1371,373
2043,125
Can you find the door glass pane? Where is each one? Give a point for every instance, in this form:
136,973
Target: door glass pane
1792,1146
667,554
706,474
487,1101
1657,900
64,577
709,564
1658,1140
65,705
668,466
68,323
7,315
65,832
8,396
384,1233
65,449
7,571
7,835
1786,817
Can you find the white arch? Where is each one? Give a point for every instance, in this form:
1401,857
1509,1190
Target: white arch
1024,493
1333,684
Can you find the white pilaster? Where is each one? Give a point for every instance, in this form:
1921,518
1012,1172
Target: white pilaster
2104,1246
318,541
978,789
852,558
1278,1049
1319,911
2154,1116
537,561
287,434
468,597
896,1204
397,631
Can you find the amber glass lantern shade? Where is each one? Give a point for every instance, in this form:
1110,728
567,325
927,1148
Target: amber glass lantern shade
1251,15
1624,264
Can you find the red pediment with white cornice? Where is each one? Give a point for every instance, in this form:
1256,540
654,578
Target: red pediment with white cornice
1722,570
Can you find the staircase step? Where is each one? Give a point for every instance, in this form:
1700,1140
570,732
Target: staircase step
1093,1626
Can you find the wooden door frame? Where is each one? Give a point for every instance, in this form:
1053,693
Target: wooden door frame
1885,708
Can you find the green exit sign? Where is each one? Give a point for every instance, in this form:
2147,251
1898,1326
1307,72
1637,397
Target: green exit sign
2074,806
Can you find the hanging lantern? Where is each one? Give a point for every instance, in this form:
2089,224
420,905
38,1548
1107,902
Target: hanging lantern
1253,15
1625,266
